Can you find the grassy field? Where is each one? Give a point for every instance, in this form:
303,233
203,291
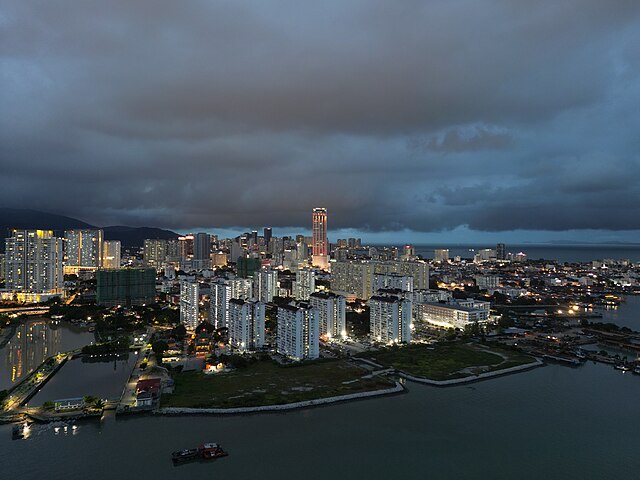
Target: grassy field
265,383
448,361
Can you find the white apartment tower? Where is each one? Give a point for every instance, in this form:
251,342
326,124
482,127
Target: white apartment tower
298,332
392,281
265,284
222,291
189,302
246,324
305,283
390,319
82,250
332,311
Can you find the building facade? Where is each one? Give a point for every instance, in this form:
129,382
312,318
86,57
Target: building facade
125,287
305,284
154,252
390,319
82,250
392,281
332,314
319,245
33,265
452,315
298,332
246,324
265,284
111,251
222,292
189,303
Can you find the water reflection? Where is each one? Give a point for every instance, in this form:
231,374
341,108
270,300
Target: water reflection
32,342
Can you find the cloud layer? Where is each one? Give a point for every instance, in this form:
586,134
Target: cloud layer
496,115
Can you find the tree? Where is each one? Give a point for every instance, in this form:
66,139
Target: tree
180,331
159,347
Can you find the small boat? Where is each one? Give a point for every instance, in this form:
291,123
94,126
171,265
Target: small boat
212,450
637,370
623,367
581,354
206,451
185,455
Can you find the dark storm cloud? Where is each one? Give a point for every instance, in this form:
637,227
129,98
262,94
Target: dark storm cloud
417,115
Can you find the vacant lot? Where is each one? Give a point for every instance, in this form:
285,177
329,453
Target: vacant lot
265,383
447,361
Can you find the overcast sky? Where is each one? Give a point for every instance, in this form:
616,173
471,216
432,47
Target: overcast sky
458,119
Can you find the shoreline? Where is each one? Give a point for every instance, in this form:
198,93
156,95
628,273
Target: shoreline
398,388
458,381
472,378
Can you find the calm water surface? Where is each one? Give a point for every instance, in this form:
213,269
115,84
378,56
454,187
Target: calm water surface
626,315
104,378
562,253
554,422
35,340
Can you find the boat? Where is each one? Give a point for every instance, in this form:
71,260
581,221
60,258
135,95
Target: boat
582,355
212,450
185,455
637,370
623,367
206,451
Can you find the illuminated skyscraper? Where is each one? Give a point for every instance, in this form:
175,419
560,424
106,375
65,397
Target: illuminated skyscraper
111,254
189,302
82,250
33,264
319,238
155,252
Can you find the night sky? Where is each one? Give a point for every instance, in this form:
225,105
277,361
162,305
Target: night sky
411,120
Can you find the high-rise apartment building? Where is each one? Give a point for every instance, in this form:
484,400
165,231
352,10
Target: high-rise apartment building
392,281
441,255
408,253
246,324
390,319
189,302
265,284
298,331
222,292
501,251
355,277
332,311
82,250
319,242
111,254
154,252
33,265
268,234
305,283
185,246
202,251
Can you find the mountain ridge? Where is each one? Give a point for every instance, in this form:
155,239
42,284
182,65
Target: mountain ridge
36,219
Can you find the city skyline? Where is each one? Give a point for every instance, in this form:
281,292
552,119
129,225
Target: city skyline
430,118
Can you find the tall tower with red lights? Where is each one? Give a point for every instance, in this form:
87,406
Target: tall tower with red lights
320,246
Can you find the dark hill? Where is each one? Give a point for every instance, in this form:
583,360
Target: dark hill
134,236
22,218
